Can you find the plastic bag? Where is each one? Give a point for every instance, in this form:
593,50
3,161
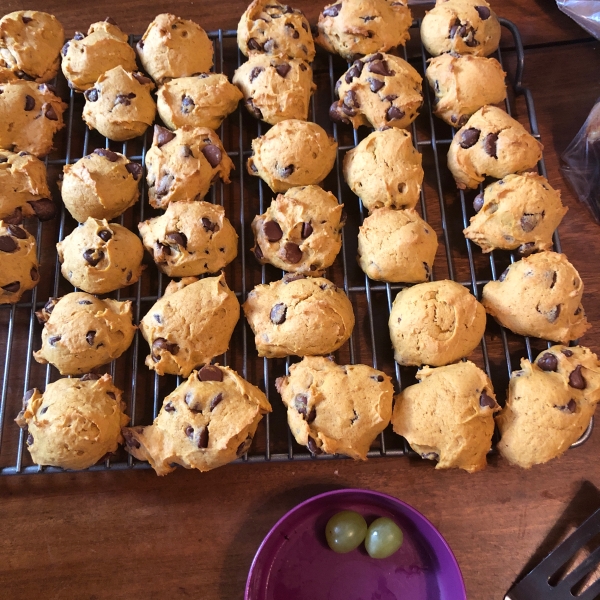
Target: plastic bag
585,13
582,162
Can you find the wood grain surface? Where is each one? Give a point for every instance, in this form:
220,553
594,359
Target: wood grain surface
113,535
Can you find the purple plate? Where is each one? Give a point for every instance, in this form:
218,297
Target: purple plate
294,562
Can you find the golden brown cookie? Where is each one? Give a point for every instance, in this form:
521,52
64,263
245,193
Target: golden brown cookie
205,423
75,422
435,323
491,144
336,409
291,154
448,416
18,257
299,316
190,238
82,332
86,57
519,211
301,231
354,27
204,100
172,47
100,257
181,165
119,105
539,296
190,325
549,406
275,29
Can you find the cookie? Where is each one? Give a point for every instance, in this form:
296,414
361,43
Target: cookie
182,165
350,28
101,185
18,256
86,57
100,257
267,27
82,332
30,43
204,100
336,409
7,75
519,211
549,406
275,88
172,47
463,84
301,231
539,296
299,316
461,26
75,422
120,106
385,170
448,416
30,115
191,238
190,325
435,324
205,423
24,188
491,144
396,245
379,90
291,154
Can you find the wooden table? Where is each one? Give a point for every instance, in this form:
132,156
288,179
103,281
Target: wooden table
130,535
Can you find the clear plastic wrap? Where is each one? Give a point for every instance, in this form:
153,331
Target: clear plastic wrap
582,162
586,13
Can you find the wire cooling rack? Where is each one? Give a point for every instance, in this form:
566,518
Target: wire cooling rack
446,209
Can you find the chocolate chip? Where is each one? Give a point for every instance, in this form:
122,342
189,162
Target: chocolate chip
64,49
124,99
469,137
376,56
187,105
380,67
93,257
292,31
105,234
253,44
90,377
162,135
164,185
129,275
49,306
177,238
258,253
44,209
547,362
312,415
394,113
504,274
203,437
29,437
135,169
212,154
272,231
110,20
215,401
307,230
54,340
257,113
189,431
26,19
8,244
336,115
16,218
278,313
256,71
17,232
570,407
91,95
11,288
351,99
161,252
529,221
169,407
289,277
27,397
576,379
292,253
430,455
489,144
29,103
485,400
312,446
34,274
269,46
354,71
483,12
108,154
332,11
568,353
210,373
478,202
244,446
163,344
553,314
375,84
89,337
78,36
129,439
209,225
46,308
142,78
287,171
283,69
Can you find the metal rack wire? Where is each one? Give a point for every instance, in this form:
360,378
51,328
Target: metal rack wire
447,210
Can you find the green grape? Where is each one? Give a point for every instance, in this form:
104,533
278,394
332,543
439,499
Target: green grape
384,537
345,531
